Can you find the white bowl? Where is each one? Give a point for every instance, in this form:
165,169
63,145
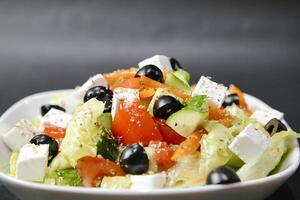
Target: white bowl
29,108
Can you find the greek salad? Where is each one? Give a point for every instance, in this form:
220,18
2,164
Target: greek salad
147,128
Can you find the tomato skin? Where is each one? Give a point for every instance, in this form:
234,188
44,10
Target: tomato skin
55,132
133,124
162,155
91,169
168,134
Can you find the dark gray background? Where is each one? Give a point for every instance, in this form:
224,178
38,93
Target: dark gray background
46,45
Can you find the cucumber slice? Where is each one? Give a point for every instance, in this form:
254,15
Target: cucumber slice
177,83
186,121
105,120
107,147
182,75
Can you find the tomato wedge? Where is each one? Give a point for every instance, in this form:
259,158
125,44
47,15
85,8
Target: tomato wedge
162,155
168,134
92,169
133,124
55,132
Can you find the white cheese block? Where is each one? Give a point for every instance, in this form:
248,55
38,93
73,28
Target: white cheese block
19,135
148,182
160,61
123,94
249,144
215,92
97,80
55,118
263,116
32,162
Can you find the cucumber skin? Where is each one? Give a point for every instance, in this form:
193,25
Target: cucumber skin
186,121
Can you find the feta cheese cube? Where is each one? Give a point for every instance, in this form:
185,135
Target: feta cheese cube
19,135
160,61
123,94
148,182
249,144
97,80
32,162
215,92
56,118
263,116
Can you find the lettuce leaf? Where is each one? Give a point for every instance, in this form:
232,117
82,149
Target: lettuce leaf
241,120
271,157
83,133
214,148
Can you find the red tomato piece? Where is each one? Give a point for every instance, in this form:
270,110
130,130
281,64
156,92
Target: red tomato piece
55,132
92,169
162,155
168,134
133,124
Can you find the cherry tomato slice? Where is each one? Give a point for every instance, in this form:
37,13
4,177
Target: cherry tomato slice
92,169
133,124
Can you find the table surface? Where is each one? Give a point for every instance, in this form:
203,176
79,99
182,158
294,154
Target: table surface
50,45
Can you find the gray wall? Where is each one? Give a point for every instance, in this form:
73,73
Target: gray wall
46,45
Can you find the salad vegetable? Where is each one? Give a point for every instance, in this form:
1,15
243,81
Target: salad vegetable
146,128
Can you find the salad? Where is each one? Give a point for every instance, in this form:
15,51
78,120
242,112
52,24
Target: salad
146,128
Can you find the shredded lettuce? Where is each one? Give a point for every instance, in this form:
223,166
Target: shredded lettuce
13,163
241,120
198,103
83,133
271,157
116,182
214,148
68,177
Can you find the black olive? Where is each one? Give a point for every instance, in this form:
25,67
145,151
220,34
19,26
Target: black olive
47,107
274,126
231,99
134,159
45,139
150,71
222,175
175,64
166,105
102,94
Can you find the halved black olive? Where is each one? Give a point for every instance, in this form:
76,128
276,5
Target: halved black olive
102,94
166,105
150,71
274,126
45,139
175,64
134,159
222,175
231,99
47,107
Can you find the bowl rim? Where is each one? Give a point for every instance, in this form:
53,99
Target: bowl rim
4,178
